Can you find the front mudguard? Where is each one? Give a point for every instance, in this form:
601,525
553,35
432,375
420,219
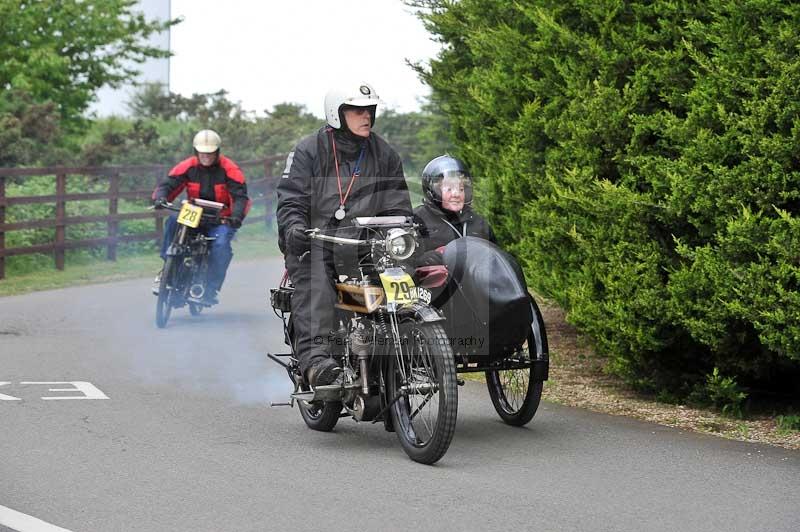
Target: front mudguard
419,312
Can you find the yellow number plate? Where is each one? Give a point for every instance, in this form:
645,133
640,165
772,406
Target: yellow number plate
399,286
190,215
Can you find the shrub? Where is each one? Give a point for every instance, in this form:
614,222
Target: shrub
788,422
641,160
725,394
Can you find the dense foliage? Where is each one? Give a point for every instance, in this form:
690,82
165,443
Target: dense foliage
163,124
29,131
642,158
62,51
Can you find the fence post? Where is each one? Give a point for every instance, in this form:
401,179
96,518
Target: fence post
61,213
159,219
113,225
2,232
269,189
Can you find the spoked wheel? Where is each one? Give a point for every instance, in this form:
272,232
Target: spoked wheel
514,393
164,303
424,378
195,309
320,416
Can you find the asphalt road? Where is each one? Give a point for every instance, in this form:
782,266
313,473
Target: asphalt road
174,433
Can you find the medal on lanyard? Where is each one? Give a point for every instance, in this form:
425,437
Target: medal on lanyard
340,212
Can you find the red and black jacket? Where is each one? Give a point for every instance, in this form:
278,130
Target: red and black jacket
223,182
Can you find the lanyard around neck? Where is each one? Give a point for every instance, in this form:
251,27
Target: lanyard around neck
356,171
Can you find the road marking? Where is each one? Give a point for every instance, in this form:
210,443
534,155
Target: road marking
7,397
25,523
89,390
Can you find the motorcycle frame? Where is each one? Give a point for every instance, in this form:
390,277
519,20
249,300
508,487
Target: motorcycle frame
189,243
345,314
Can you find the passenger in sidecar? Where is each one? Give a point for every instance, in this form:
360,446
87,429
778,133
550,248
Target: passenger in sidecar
446,212
493,323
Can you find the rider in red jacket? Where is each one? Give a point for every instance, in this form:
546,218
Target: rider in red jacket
211,176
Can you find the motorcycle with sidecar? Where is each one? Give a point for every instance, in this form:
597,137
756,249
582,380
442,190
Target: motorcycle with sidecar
397,339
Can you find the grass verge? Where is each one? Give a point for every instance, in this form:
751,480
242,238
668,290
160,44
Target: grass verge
251,242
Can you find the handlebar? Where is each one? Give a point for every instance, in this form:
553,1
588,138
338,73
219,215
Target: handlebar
172,207
314,234
406,242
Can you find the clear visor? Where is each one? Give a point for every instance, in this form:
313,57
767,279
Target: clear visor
453,185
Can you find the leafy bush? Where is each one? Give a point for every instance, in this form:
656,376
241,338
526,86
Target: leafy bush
788,422
725,394
641,160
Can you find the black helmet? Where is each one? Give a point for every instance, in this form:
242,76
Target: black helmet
438,169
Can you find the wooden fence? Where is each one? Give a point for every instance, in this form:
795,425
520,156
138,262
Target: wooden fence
261,182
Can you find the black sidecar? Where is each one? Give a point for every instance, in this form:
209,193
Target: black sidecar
494,325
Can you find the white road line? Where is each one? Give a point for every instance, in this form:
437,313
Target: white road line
25,523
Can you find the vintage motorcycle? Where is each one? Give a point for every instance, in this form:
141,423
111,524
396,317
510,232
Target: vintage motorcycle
396,361
183,279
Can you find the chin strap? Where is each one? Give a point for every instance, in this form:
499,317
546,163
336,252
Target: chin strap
461,233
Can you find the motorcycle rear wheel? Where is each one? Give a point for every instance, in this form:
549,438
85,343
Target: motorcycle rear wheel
515,395
424,376
320,416
164,303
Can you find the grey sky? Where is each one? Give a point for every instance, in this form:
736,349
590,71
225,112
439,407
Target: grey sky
264,53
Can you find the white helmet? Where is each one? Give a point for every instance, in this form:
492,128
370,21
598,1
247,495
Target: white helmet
362,95
206,141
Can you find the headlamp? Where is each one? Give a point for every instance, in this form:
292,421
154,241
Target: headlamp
400,244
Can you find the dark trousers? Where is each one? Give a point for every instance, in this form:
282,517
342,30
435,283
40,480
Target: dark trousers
220,254
313,303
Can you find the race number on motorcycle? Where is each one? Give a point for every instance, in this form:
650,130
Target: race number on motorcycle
190,215
399,286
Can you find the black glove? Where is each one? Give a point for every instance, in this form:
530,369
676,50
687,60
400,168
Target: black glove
297,241
431,258
235,222
160,203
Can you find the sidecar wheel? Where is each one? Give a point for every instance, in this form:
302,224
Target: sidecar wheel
164,303
514,394
320,416
424,378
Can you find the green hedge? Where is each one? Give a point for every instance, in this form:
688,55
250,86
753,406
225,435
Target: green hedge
650,152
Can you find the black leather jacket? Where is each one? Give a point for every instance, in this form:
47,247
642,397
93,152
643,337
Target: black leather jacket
441,226
308,192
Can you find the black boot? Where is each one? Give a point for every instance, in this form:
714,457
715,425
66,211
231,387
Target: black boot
323,372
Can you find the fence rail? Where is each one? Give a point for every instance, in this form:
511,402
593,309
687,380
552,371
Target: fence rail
261,190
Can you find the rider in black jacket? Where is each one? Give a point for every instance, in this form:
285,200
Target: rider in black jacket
446,213
334,175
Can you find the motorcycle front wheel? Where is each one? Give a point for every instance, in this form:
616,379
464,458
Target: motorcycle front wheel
163,303
515,395
422,379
